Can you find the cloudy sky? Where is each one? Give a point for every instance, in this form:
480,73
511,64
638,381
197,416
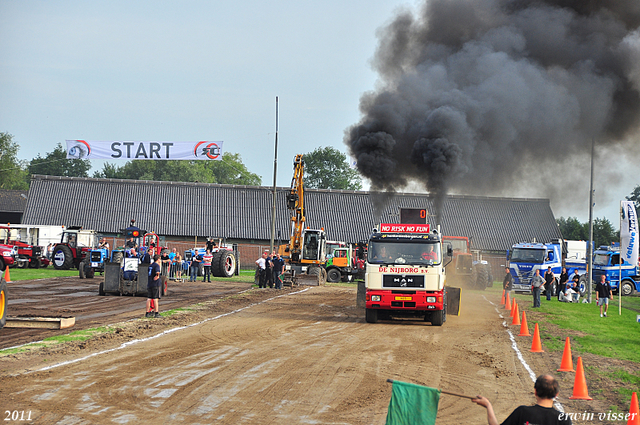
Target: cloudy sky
200,70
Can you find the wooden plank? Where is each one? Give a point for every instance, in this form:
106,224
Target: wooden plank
40,322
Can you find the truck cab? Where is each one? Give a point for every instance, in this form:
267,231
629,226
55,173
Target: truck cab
606,261
405,273
525,258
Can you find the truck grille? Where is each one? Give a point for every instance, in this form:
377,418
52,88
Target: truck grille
402,281
37,251
95,256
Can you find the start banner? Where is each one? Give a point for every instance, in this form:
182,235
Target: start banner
90,149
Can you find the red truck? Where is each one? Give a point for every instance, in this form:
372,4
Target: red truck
7,256
23,254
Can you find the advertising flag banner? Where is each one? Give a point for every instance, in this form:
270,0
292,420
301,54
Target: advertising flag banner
191,151
628,232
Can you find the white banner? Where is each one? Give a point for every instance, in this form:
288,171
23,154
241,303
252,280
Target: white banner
90,149
628,232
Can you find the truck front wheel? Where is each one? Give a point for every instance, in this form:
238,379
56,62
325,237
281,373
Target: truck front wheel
437,318
371,316
627,288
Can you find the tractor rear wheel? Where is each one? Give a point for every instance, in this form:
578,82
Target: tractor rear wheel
3,302
62,257
2,266
224,264
483,277
333,275
101,289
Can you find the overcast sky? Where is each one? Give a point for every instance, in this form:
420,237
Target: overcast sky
200,70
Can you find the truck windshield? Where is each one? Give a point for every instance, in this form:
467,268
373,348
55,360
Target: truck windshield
601,260
414,253
527,255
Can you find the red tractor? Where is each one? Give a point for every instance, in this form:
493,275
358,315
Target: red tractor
463,270
73,248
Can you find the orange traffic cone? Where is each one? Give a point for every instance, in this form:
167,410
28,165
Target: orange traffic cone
524,328
580,391
634,412
536,345
507,304
7,277
513,308
567,363
502,299
516,316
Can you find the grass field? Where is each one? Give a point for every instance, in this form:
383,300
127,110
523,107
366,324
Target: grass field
615,336
30,274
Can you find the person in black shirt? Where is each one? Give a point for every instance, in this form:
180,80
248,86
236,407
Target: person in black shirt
603,293
211,245
562,284
153,288
548,282
507,283
269,270
545,389
278,264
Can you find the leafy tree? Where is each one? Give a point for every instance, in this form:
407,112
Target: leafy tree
603,231
572,229
55,163
13,174
327,168
635,197
230,170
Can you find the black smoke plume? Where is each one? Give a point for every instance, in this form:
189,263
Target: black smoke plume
493,96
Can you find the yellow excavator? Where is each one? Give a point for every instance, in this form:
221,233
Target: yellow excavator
305,254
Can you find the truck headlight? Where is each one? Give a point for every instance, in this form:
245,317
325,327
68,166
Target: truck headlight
431,299
6,253
375,297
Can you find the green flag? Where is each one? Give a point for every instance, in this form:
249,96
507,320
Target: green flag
412,404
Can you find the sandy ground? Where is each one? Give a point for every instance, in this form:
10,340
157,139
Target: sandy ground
299,356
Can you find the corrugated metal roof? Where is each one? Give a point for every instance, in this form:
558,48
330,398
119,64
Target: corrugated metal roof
244,212
13,201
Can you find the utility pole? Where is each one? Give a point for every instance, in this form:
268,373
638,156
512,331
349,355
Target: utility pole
590,247
275,172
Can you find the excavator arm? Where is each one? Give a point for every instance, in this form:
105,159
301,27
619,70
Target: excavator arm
295,204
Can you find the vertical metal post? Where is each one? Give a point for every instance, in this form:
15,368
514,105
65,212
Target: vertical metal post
275,171
590,248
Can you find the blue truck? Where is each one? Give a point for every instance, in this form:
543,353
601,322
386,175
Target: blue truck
527,257
606,261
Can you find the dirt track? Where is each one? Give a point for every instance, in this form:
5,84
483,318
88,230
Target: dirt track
274,357
71,296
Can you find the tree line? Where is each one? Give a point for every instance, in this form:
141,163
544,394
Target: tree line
325,168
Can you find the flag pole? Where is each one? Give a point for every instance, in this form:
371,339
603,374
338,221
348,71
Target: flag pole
445,392
620,265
